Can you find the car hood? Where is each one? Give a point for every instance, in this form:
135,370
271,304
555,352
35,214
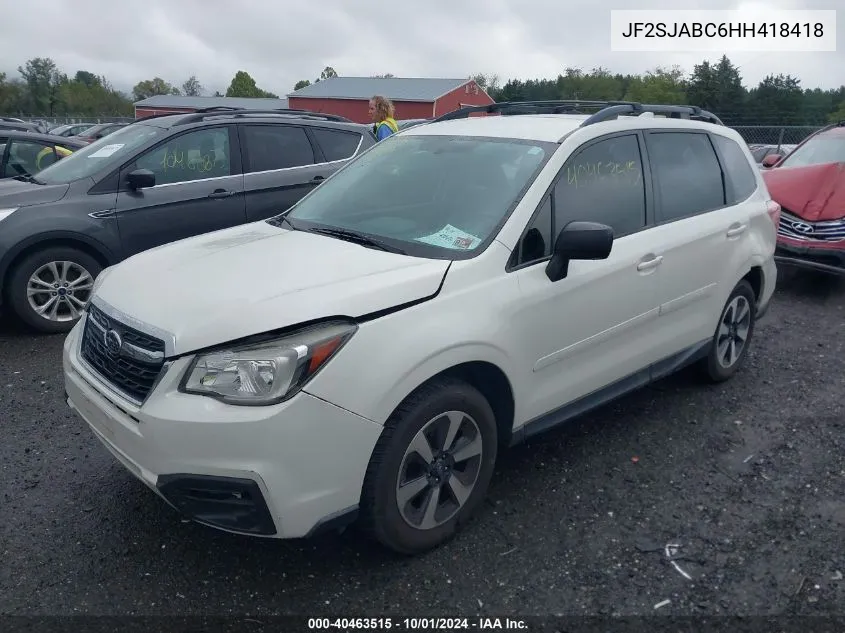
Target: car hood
16,193
254,278
814,192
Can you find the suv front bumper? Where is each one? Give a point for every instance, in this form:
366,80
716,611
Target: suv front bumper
827,260
283,471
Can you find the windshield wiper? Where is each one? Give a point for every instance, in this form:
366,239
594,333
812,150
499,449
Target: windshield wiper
28,178
358,238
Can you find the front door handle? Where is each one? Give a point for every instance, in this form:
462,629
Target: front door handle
221,193
318,178
737,230
652,262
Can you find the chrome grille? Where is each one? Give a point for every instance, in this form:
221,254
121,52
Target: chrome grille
796,228
128,360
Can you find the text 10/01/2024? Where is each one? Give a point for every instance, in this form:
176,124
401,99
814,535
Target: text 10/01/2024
417,624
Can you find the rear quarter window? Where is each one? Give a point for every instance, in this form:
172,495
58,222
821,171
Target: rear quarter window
740,180
336,144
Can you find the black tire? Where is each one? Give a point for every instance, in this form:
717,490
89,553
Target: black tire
714,370
19,279
380,516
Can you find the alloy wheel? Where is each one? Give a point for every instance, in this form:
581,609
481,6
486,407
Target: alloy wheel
439,470
733,331
59,291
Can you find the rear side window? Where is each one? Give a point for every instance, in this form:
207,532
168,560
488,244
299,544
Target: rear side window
740,181
687,174
336,145
270,147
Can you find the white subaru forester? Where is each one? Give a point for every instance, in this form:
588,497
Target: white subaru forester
455,289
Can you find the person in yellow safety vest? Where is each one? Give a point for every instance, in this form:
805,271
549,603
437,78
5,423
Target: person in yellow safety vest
61,152
382,113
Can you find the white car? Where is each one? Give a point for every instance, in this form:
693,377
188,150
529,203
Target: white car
457,288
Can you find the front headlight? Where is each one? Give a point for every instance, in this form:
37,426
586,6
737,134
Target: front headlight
267,372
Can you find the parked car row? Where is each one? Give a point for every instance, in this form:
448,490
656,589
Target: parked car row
161,179
277,358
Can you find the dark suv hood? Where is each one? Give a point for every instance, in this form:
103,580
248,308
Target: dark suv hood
16,193
814,192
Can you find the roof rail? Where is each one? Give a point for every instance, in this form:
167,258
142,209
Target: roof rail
202,114
607,110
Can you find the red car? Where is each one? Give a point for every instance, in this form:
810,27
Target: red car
809,184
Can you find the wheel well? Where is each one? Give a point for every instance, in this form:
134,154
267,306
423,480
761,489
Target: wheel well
53,243
755,278
493,385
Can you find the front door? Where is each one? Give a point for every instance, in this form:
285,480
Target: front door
199,189
597,325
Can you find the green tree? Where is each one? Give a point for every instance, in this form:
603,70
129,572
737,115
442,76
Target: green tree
328,73
777,100
243,85
192,87
152,87
302,83
43,80
661,85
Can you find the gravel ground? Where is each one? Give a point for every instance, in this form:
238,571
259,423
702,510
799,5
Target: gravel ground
746,479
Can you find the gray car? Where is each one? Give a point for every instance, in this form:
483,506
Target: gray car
155,181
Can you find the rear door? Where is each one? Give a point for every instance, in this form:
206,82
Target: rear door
700,235
199,188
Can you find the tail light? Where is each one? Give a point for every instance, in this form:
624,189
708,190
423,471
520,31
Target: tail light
773,209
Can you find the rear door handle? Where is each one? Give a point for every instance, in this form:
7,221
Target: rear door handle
653,261
739,229
318,178
221,193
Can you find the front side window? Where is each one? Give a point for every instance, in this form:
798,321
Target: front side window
193,156
603,183
430,195
821,149
105,153
687,174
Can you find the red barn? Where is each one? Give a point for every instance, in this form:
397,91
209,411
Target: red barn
413,98
175,104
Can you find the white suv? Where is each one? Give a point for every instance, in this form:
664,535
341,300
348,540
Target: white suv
455,289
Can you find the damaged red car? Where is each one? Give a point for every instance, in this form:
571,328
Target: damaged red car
809,185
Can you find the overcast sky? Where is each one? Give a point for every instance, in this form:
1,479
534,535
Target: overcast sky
280,41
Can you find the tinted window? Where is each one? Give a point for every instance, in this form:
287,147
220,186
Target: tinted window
739,175
434,196
536,244
686,172
27,157
192,156
336,145
603,183
276,147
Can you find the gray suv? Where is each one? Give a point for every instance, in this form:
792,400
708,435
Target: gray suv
158,180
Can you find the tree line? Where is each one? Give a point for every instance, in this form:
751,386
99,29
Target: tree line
42,89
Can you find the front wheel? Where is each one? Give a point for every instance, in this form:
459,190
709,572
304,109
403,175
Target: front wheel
730,342
431,467
49,289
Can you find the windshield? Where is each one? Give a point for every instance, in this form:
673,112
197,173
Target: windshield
110,150
818,150
433,196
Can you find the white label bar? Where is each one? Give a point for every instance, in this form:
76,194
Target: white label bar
754,27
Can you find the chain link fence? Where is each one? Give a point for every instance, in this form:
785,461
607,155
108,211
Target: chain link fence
774,134
55,121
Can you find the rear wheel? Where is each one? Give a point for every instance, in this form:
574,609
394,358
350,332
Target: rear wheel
49,289
431,468
732,338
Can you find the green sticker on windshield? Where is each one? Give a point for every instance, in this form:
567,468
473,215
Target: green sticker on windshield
451,237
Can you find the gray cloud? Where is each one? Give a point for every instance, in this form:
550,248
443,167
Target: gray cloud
279,43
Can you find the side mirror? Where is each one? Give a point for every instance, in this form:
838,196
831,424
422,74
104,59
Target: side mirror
579,240
141,179
771,159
